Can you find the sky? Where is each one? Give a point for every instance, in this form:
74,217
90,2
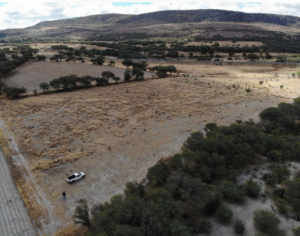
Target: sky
20,14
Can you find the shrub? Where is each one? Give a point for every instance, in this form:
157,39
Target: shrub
252,188
205,227
211,206
134,188
239,227
224,214
231,191
292,194
14,92
296,231
270,179
280,171
175,162
274,155
81,215
158,174
278,192
267,222
248,90
282,205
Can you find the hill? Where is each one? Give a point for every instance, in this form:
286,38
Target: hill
202,24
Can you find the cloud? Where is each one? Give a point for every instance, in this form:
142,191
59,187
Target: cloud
27,13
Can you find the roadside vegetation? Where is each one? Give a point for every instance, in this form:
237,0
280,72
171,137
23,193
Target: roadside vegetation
184,192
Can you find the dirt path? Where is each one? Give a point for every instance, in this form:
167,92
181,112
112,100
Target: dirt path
13,215
48,224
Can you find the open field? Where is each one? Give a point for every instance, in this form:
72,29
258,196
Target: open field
115,133
32,74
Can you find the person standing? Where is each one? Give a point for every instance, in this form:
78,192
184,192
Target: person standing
64,195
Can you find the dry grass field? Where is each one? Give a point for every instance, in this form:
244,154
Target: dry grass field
115,133
32,74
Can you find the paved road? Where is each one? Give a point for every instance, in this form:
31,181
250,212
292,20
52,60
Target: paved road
14,220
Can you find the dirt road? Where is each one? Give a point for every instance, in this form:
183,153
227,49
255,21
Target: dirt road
14,220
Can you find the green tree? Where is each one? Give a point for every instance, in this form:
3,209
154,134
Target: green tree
239,227
252,56
111,63
224,214
252,188
130,211
138,73
272,114
44,86
116,79
55,84
127,62
173,53
14,92
99,60
2,87
193,142
281,58
231,191
108,75
158,174
281,172
81,215
296,231
248,90
178,228
41,57
267,222
261,51
127,75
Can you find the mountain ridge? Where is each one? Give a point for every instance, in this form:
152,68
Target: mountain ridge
170,24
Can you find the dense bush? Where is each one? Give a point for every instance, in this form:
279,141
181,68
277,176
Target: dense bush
224,214
14,92
296,231
267,222
281,172
252,188
239,227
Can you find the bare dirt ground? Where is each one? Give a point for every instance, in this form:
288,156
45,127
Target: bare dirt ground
115,133
31,74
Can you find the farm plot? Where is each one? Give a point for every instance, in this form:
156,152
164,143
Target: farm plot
32,74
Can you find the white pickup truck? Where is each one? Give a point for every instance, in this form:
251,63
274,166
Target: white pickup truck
75,177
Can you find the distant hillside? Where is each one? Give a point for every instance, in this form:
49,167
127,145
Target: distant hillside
196,24
208,15
88,20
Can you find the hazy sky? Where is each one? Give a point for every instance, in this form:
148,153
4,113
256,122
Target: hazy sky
17,14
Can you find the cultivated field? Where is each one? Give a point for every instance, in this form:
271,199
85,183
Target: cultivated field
115,133
32,74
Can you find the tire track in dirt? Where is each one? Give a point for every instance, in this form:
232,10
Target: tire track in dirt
14,220
49,227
